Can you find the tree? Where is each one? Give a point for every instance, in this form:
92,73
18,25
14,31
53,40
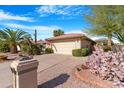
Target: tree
103,21
58,32
13,38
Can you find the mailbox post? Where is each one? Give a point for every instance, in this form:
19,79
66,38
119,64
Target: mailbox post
24,73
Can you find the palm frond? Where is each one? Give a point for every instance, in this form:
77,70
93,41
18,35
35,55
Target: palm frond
13,36
119,36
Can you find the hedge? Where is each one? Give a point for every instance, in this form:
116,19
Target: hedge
81,52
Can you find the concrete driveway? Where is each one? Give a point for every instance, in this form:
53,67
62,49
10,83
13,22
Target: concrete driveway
54,71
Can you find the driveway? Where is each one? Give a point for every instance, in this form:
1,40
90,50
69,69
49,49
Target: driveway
54,71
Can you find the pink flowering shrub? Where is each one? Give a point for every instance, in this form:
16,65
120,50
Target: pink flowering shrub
107,65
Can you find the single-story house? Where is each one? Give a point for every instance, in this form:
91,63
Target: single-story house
64,44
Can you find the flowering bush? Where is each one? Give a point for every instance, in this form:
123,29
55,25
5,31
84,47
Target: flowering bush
107,65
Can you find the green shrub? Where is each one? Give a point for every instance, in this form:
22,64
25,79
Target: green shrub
85,51
81,52
106,48
48,50
26,49
4,47
34,49
76,52
41,47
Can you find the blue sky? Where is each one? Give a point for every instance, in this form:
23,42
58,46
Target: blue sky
44,18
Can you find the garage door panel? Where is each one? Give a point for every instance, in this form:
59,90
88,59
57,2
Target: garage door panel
64,47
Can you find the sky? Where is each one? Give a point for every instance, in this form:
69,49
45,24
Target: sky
45,18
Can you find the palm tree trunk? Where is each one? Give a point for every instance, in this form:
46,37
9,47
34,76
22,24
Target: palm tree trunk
110,41
14,49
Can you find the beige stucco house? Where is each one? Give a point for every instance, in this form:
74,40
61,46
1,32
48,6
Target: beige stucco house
64,44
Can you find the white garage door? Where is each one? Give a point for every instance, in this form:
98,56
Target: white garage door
65,47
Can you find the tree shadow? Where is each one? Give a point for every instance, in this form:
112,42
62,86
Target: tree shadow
55,81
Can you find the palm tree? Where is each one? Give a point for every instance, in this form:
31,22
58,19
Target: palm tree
58,32
13,38
103,20
119,34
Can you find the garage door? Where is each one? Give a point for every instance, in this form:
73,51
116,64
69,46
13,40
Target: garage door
64,47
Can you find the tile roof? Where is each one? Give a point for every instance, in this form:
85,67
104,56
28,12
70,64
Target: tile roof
42,42
66,36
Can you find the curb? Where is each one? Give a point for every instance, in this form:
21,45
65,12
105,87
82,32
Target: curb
86,76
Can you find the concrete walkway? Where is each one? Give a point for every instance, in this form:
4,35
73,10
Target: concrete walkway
53,71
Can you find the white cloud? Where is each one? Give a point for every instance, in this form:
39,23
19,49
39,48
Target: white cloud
75,31
60,10
7,16
43,31
38,27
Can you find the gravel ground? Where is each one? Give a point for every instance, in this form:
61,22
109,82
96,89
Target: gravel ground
61,76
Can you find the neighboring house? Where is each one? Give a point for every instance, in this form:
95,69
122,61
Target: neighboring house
64,44
44,43
102,41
